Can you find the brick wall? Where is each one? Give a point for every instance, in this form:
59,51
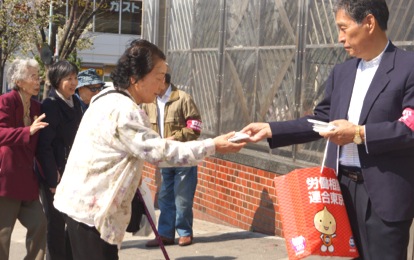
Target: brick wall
232,194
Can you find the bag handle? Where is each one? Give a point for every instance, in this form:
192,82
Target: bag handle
109,92
324,155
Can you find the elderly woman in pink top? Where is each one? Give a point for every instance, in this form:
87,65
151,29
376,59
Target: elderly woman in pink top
20,121
114,139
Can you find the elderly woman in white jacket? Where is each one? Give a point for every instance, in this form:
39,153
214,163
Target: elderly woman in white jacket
113,141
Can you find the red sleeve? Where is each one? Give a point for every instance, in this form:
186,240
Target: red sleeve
12,130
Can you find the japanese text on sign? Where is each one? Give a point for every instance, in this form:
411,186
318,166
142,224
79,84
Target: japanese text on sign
324,190
129,7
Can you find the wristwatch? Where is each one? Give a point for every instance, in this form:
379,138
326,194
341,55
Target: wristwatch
357,136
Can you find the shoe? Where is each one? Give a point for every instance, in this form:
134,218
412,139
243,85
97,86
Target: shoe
165,240
185,241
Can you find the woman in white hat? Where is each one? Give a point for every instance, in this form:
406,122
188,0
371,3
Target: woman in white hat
89,84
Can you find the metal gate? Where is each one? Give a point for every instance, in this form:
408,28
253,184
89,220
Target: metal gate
256,60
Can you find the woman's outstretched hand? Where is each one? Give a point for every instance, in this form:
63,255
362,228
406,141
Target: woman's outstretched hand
224,146
38,124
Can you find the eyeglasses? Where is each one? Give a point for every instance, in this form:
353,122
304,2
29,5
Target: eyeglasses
94,89
35,78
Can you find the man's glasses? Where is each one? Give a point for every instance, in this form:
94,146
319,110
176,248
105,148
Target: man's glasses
94,89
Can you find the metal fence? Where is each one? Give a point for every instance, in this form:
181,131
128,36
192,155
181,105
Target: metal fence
256,60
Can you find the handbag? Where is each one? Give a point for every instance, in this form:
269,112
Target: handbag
145,228
313,214
137,213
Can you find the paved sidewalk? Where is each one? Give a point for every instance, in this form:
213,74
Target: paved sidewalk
211,241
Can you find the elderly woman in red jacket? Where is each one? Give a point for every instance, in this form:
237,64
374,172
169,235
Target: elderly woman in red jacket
20,121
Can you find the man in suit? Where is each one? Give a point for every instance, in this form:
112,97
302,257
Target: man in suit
369,99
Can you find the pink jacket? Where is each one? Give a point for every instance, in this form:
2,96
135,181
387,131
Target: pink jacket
17,149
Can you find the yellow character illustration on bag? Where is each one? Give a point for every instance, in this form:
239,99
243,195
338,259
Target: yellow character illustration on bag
325,223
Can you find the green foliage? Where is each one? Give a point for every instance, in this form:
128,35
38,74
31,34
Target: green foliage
24,28
19,21
73,57
42,68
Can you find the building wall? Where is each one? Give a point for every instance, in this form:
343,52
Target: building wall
113,28
105,52
106,49
232,194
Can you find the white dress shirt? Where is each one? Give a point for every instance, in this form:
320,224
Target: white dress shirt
365,73
161,101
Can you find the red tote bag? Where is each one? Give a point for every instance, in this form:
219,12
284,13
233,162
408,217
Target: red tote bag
313,214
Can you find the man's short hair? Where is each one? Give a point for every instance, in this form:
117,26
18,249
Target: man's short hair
359,9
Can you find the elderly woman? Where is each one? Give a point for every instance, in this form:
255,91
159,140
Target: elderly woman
63,113
114,139
20,121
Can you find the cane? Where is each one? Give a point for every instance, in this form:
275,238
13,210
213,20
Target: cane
154,228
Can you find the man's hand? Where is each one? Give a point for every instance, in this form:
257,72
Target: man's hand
257,131
343,133
224,146
38,124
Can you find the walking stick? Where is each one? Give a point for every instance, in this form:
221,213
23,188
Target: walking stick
154,228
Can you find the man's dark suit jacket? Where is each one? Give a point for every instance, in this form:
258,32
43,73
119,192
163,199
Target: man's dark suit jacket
388,166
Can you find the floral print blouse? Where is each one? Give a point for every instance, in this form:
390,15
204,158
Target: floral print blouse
105,164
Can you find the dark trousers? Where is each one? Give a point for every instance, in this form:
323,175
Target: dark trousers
58,244
87,243
374,237
30,214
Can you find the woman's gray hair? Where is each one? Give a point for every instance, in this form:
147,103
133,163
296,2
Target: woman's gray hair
19,71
